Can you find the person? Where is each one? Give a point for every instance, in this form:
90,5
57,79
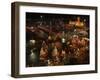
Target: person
43,54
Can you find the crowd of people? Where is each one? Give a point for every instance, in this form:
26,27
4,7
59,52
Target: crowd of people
55,42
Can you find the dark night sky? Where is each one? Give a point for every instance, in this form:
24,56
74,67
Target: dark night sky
32,17
50,16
